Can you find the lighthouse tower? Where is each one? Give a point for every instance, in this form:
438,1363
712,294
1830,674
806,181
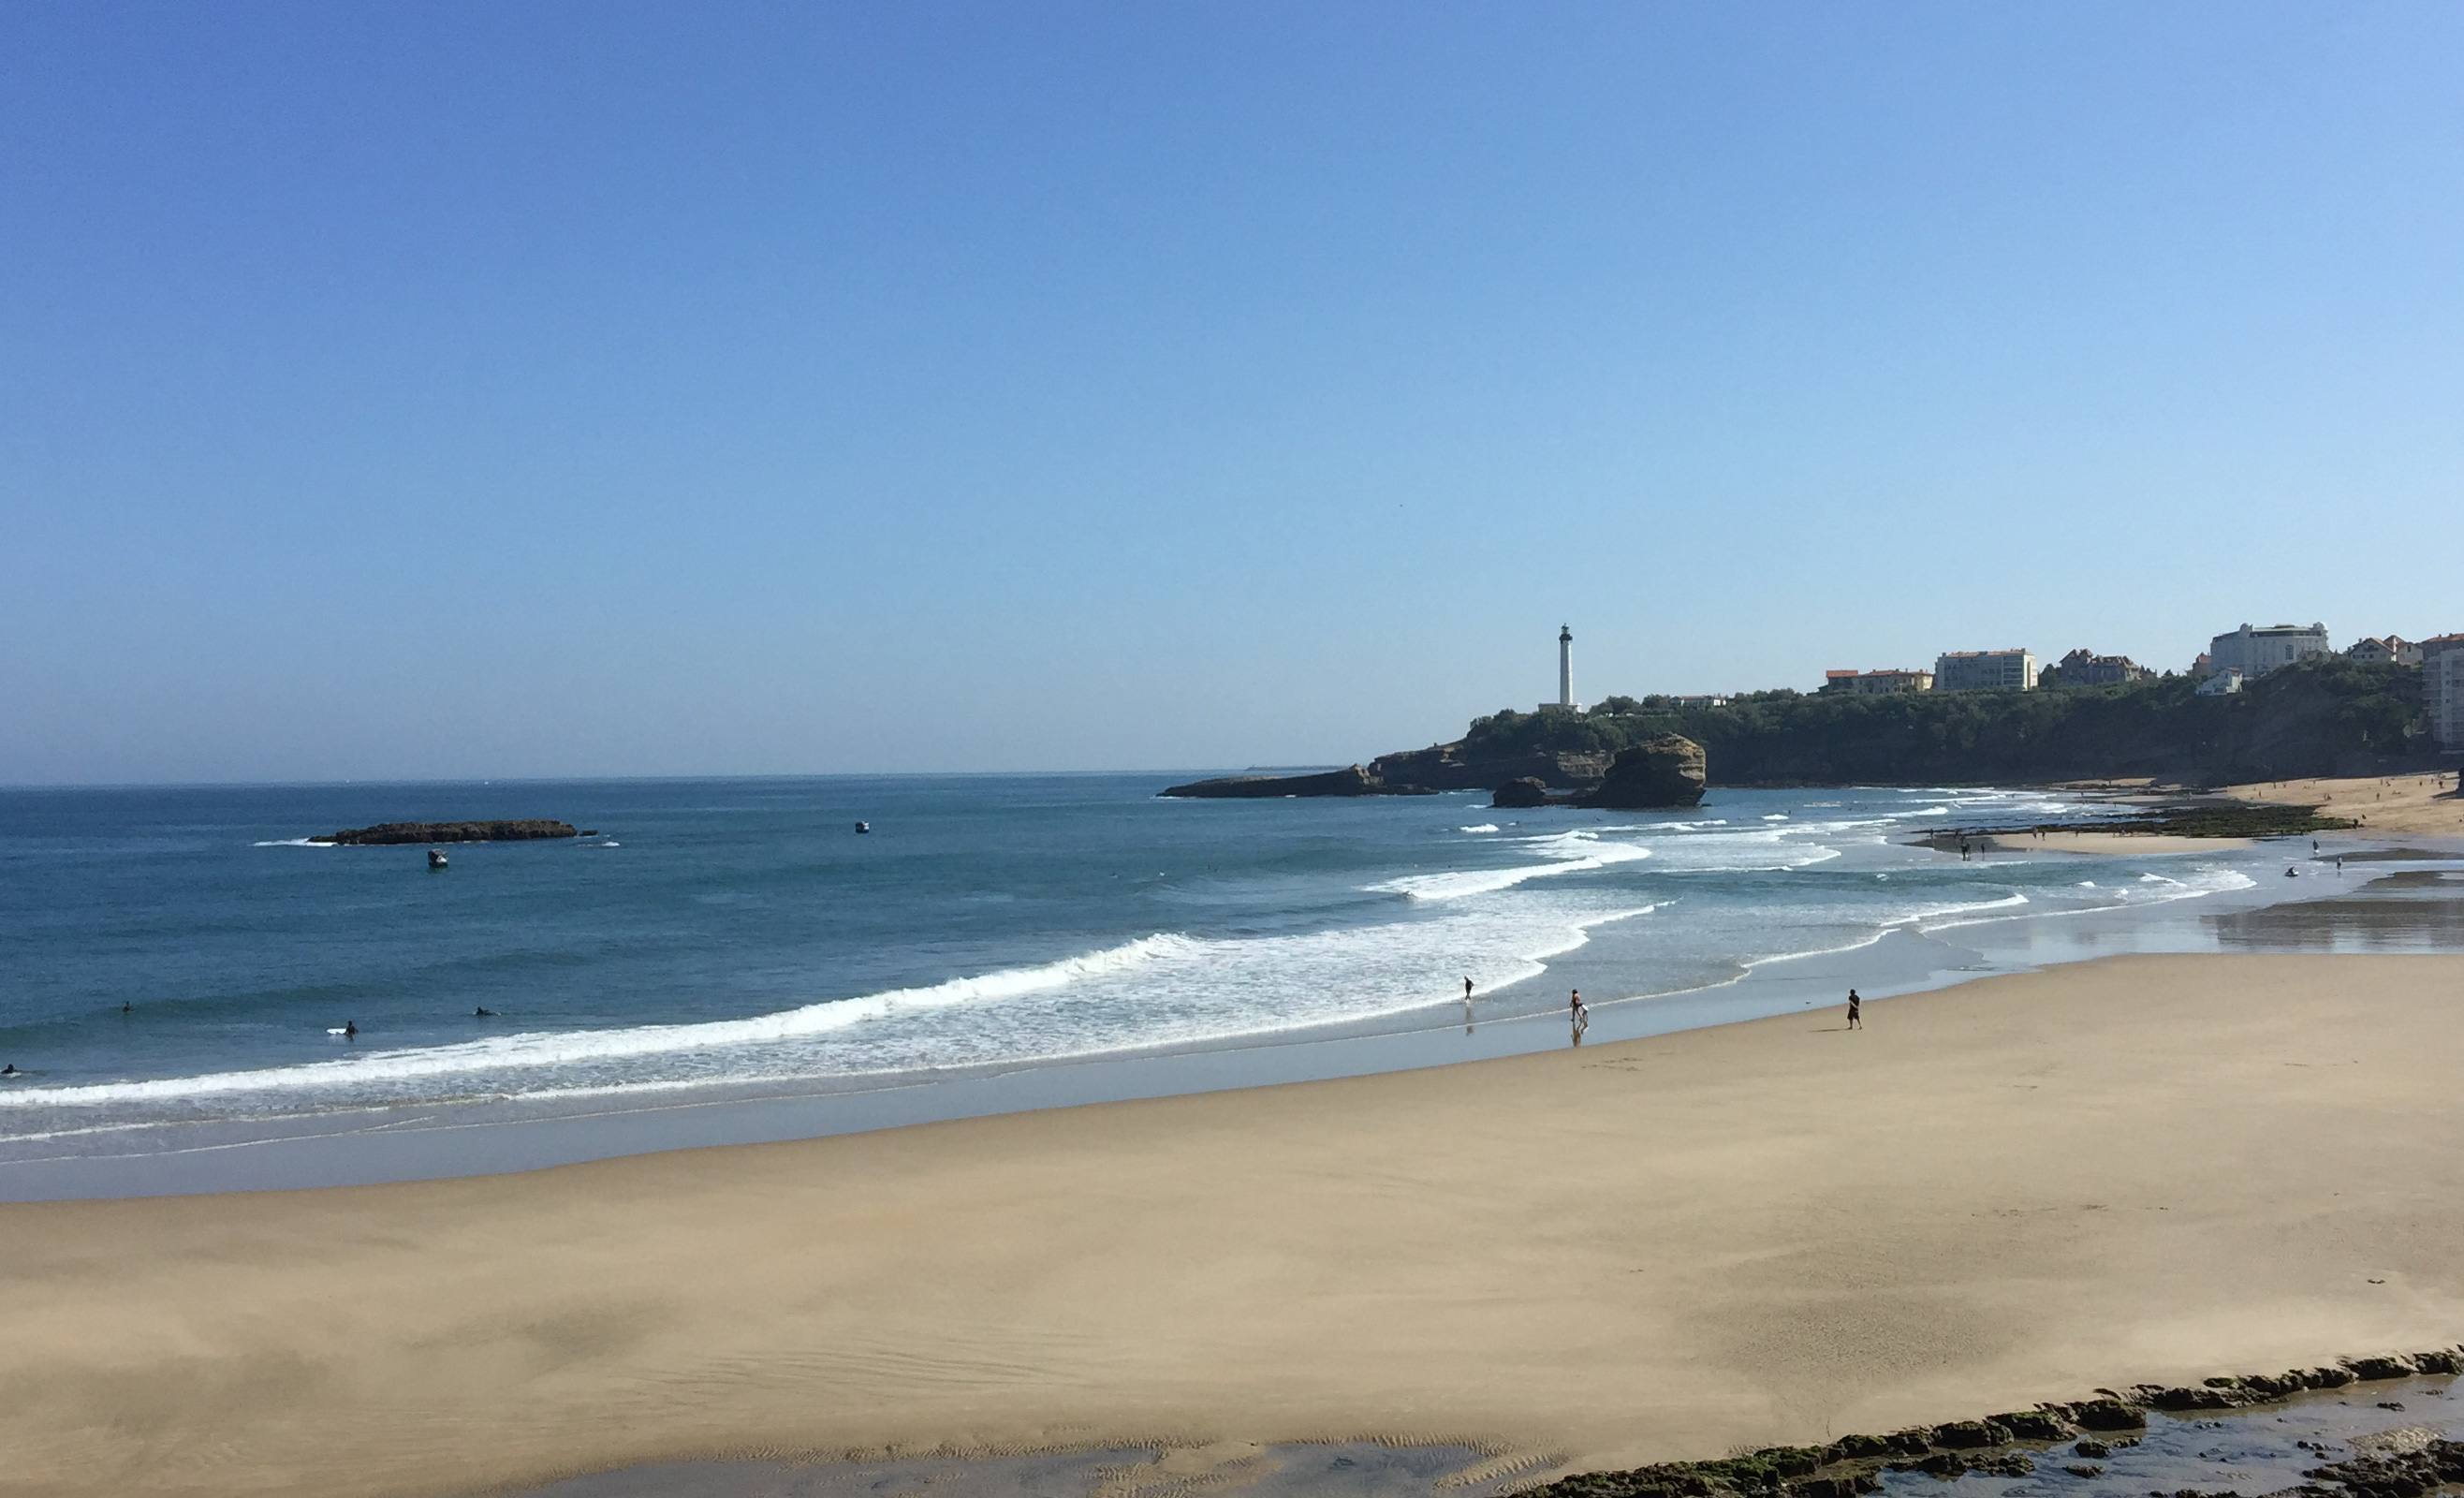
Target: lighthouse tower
1565,673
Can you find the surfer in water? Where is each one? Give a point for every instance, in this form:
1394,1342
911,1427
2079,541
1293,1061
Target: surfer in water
483,1012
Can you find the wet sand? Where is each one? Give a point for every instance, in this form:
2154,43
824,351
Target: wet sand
2139,1168
2108,843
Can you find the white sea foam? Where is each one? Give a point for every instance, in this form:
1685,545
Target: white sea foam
1485,826
294,842
566,1047
1576,852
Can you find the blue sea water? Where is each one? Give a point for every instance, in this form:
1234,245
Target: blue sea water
184,955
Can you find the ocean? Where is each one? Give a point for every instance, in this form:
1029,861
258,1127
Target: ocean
183,955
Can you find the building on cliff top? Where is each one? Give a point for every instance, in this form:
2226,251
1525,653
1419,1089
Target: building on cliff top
2084,668
1877,683
2255,652
1985,671
2391,650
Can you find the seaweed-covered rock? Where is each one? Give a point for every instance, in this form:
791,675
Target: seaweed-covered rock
1855,1448
2108,1414
2034,1426
1967,1435
2377,1368
2400,1474
2093,1450
2438,1362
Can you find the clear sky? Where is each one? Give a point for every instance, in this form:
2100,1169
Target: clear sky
502,390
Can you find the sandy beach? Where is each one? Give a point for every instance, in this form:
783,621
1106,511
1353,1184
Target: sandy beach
2139,1168
2385,805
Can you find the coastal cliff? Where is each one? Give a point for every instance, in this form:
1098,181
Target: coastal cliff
2320,718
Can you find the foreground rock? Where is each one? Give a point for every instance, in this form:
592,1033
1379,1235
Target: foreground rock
1666,771
2006,1446
450,832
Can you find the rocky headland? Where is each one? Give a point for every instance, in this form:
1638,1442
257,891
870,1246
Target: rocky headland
1350,780
1665,770
390,832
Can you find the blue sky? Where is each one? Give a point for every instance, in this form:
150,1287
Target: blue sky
446,390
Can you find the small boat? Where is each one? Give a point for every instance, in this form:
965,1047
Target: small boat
436,859
863,827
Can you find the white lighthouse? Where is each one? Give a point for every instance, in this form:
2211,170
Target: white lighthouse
1565,673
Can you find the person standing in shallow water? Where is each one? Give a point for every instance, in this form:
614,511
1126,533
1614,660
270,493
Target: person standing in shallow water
1856,1011
1579,1016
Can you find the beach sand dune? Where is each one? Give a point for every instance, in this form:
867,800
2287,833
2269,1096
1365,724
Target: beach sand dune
2142,1168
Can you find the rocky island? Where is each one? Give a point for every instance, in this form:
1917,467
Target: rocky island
392,832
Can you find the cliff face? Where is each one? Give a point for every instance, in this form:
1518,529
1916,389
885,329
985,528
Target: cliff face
1455,767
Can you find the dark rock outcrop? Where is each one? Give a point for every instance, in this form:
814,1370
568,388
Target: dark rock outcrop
1666,771
1523,791
2013,1444
2107,1415
1453,767
1350,780
450,832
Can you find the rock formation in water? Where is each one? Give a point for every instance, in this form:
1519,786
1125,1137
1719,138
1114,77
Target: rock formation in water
1454,767
450,832
1350,780
1666,771
1521,792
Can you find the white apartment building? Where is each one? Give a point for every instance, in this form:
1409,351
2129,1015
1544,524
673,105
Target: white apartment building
2255,652
1976,671
2223,684
2442,689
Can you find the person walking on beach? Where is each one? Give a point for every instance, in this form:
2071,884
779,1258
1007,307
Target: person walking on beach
1466,1006
1579,1016
1856,1011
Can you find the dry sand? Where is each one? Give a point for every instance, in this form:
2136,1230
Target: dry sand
2385,805
2142,1168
